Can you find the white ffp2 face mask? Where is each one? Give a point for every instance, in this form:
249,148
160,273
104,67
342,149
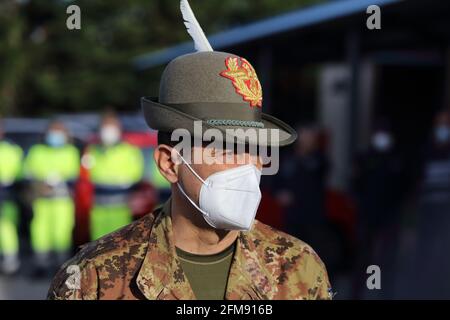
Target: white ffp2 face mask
110,135
230,198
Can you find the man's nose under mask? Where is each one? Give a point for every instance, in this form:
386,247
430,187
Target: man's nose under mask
229,199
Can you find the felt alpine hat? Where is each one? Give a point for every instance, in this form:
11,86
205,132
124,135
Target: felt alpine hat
216,90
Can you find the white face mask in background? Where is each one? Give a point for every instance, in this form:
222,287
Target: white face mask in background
442,134
382,141
110,135
229,199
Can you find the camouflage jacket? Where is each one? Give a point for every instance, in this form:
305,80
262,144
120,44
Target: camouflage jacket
140,262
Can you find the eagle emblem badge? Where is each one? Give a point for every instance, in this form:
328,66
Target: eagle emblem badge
245,80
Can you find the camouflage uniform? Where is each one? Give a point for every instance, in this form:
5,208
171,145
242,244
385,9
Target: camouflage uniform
139,262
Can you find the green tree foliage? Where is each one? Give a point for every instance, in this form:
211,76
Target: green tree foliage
46,68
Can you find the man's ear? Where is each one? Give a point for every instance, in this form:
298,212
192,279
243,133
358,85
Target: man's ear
167,167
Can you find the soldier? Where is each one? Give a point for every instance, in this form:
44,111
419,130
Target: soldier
204,242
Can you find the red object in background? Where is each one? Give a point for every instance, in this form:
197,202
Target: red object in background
270,212
143,200
341,210
84,193
141,139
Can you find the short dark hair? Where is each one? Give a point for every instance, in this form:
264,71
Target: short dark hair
166,138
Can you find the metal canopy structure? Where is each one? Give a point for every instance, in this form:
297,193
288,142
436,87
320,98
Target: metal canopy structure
295,20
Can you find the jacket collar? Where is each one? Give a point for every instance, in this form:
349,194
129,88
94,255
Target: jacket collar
161,275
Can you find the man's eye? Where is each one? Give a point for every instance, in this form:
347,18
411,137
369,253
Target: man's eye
222,152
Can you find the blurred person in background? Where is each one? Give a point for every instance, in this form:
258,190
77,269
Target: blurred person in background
434,213
300,188
115,167
302,182
51,169
10,168
379,187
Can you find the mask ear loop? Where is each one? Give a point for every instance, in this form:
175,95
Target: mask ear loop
182,190
191,201
190,168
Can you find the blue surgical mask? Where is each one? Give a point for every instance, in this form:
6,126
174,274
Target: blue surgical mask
442,134
55,138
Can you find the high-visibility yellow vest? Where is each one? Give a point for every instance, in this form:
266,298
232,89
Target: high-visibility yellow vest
44,162
117,165
10,162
